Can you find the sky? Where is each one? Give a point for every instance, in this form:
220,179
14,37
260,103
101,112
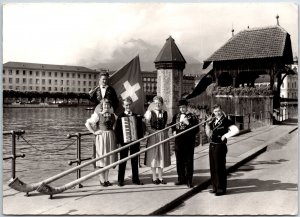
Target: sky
87,34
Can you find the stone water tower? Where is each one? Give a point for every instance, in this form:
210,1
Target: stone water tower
170,64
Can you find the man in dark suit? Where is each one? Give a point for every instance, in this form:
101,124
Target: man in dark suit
219,128
133,149
185,144
104,91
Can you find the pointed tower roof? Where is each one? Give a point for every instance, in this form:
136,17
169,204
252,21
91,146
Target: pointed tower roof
170,54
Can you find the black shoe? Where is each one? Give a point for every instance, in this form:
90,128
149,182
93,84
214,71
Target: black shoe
108,183
162,182
156,182
179,183
137,182
189,184
121,184
103,184
220,193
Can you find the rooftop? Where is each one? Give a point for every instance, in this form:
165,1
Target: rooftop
170,53
255,43
38,66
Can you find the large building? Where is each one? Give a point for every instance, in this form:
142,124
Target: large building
23,76
289,86
45,77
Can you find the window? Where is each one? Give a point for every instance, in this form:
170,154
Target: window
24,72
10,72
49,88
73,75
30,72
67,82
43,81
95,83
30,80
61,74
17,72
43,73
84,83
24,80
30,87
90,76
84,75
73,82
68,75
37,73
78,75
10,87
55,74
61,82
3,80
55,82
37,81
43,88
24,88
37,88
78,82
84,90
55,88
61,89
79,89
95,76
17,80
90,83
50,74
3,72
17,88
10,80
49,81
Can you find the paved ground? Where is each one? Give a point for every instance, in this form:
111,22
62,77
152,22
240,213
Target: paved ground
267,185
140,200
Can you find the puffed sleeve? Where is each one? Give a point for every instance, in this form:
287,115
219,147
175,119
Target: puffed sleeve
147,115
93,119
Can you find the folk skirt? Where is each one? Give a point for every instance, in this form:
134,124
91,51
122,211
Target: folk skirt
105,143
159,156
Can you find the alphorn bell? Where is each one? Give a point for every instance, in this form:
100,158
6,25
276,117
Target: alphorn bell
47,189
18,185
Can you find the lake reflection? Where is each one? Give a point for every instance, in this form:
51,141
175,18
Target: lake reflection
46,132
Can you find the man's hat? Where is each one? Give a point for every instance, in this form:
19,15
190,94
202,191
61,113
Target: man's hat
182,102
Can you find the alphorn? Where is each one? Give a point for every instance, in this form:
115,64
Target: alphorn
18,185
50,190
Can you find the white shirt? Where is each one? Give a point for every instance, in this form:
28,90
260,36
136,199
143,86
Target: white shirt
103,90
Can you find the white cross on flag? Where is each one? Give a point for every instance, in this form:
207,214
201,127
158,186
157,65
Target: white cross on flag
127,82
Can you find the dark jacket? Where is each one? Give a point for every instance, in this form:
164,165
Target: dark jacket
95,96
182,127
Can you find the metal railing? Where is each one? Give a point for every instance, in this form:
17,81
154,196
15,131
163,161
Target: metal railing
78,160
14,155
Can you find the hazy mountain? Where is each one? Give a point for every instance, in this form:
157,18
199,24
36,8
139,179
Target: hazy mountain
147,53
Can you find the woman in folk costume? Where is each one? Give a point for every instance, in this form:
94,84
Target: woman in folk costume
101,124
159,157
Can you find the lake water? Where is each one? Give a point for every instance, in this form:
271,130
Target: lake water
46,148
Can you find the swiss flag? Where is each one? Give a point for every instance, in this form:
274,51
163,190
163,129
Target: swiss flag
127,82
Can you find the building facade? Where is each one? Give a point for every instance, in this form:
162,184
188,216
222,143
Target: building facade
23,76
289,86
48,78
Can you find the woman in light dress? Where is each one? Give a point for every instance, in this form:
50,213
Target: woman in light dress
159,157
101,124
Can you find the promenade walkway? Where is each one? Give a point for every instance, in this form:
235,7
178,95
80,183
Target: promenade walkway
148,199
